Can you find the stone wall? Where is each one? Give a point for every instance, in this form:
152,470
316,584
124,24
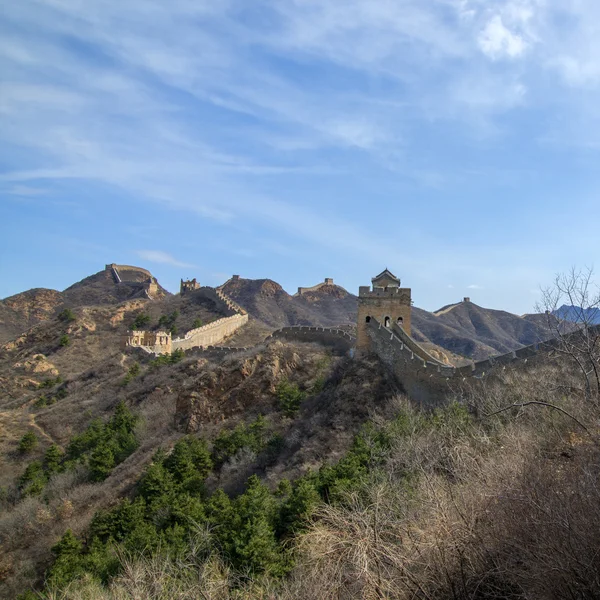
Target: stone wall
157,342
120,274
207,335
329,336
122,269
314,288
428,381
424,381
210,334
378,304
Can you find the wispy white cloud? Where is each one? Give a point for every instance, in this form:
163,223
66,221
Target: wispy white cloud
162,258
497,41
207,107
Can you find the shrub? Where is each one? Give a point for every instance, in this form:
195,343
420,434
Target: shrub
27,443
64,340
246,529
252,437
41,402
167,359
50,382
197,323
289,396
53,459
168,321
318,385
133,371
101,462
33,480
103,445
67,560
141,321
66,316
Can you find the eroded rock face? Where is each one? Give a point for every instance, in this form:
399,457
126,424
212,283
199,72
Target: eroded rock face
238,384
126,309
38,363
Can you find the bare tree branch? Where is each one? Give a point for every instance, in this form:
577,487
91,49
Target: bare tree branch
540,403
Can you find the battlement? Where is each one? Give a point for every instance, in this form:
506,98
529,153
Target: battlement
189,285
157,342
133,276
314,288
402,294
386,302
160,342
126,273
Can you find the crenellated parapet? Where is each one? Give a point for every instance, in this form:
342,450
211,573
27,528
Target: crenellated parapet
429,381
211,333
207,335
314,288
329,336
135,277
386,302
156,342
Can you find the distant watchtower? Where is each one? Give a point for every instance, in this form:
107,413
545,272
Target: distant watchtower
387,303
188,286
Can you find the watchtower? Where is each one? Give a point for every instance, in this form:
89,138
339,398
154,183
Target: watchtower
387,303
188,286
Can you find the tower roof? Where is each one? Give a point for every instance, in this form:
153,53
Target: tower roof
385,274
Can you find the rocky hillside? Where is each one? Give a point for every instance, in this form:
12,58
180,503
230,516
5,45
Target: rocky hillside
471,330
463,329
576,314
268,302
57,394
21,311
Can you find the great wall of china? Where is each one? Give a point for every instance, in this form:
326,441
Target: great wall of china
424,378
161,342
134,277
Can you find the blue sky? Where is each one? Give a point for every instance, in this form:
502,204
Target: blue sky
455,142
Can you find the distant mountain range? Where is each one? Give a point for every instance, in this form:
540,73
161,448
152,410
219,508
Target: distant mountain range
576,314
464,329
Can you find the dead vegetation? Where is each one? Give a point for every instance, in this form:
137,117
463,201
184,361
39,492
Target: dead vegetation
468,505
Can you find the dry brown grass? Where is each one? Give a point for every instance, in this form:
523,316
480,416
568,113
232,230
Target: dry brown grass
506,507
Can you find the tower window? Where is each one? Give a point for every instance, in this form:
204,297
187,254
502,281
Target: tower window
386,322
368,320
400,321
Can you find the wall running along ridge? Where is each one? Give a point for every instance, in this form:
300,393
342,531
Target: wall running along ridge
207,335
314,288
329,336
119,273
210,334
427,380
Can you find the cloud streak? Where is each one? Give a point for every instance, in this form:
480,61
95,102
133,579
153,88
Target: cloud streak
313,123
161,258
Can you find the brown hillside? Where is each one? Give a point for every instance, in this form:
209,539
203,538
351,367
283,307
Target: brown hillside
20,312
268,302
471,330
224,393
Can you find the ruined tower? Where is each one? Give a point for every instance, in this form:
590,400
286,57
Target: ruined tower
188,286
387,303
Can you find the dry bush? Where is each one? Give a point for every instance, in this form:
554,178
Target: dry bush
493,511
162,578
62,484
